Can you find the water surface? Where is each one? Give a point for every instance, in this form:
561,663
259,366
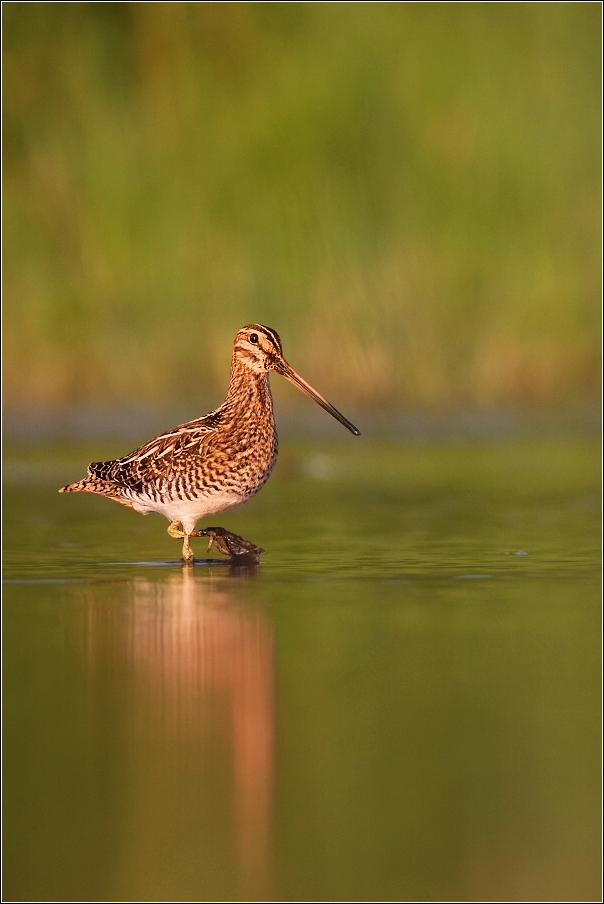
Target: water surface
401,702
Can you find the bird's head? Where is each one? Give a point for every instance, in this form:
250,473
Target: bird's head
259,348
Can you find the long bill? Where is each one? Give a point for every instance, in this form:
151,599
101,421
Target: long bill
290,374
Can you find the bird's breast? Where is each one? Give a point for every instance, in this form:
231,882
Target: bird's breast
241,459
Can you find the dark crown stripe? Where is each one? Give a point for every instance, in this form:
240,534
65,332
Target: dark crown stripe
273,336
267,332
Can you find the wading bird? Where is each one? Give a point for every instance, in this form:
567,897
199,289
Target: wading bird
212,463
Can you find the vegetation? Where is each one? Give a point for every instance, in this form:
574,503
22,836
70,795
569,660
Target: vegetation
409,193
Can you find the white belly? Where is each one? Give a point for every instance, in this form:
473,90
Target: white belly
187,512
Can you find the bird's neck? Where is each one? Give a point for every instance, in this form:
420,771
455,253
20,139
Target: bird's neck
248,389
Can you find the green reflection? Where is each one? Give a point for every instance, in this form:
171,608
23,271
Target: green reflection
396,706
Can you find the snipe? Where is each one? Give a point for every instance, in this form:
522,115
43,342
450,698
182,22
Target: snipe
212,463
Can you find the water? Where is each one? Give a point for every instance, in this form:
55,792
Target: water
401,703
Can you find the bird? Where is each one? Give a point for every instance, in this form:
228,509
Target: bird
212,463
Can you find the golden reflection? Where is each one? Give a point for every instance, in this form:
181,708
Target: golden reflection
201,731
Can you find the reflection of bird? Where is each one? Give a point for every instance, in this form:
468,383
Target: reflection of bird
214,462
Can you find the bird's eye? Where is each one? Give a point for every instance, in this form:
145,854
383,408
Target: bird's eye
254,338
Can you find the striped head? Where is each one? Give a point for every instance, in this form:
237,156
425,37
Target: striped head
258,348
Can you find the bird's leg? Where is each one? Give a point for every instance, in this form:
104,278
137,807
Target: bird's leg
187,552
228,543
177,534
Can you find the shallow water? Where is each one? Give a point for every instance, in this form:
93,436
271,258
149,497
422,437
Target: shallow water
401,703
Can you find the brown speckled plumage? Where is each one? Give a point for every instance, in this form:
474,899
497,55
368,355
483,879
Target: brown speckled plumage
214,462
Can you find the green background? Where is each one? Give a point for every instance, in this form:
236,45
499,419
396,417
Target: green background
408,193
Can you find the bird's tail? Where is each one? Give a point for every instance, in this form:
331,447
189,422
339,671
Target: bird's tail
81,486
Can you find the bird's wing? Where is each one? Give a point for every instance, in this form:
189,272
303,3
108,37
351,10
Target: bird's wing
161,458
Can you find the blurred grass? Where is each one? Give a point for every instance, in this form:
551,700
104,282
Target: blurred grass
409,193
